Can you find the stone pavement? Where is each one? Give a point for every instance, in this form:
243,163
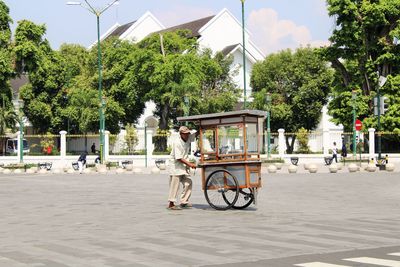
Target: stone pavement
121,220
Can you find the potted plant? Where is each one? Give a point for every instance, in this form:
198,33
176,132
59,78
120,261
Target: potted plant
47,144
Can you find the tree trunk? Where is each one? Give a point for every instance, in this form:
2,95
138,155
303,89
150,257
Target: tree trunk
161,141
336,64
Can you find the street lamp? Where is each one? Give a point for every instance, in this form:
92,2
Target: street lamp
21,130
381,82
244,57
98,13
186,99
268,101
353,98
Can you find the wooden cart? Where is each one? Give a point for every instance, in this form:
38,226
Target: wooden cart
230,144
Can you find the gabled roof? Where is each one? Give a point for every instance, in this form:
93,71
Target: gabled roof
232,48
120,30
194,26
229,49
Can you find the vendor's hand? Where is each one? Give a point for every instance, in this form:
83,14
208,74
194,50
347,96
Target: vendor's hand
193,166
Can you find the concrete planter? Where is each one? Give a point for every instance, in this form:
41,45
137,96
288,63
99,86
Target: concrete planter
31,171
312,168
271,169
371,167
129,167
333,168
155,170
18,171
390,167
137,170
292,169
120,171
278,165
352,167
87,170
102,168
339,166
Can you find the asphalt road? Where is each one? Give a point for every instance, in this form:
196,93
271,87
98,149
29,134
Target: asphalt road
311,220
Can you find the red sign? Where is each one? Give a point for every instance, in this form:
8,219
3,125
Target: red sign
358,125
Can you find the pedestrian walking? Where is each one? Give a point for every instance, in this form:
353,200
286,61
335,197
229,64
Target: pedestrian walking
82,161
178,165
334,152
344,150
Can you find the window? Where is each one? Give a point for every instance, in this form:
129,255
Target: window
208,141
230,139
252,138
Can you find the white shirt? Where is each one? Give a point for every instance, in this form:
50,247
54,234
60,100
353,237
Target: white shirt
180,150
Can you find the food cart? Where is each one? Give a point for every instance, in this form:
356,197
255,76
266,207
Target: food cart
230,144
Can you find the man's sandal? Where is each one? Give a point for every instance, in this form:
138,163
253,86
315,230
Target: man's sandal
186,206
174,208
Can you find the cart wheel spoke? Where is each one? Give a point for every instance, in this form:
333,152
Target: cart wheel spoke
221,190
245,198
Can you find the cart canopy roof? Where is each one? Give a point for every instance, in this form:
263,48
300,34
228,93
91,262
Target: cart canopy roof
230,114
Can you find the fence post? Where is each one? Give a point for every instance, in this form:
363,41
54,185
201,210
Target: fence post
150,146
106,145
281,142
63,145
326,141
371,132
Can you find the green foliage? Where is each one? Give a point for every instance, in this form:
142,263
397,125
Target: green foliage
131,137
361,50
299,83
171,68
302,139
47,143
7,115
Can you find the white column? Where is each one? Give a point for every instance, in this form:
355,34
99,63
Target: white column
150,146
281,142
371,132
326,142
63,145
106,145
19,145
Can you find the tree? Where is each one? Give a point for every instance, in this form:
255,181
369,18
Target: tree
47,73
131,137
7,114
361,50
172,68
299,83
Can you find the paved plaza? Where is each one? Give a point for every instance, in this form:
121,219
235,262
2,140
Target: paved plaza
121,220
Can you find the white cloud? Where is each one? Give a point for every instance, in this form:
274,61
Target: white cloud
181,14
273,34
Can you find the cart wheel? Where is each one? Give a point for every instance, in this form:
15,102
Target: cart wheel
245,198
221,190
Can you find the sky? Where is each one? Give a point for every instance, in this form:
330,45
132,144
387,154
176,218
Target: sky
274,24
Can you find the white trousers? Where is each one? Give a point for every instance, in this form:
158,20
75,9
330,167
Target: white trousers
80,165
174,182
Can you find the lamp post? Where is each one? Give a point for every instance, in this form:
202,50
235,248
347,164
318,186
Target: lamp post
353,98
381,82
186,99
21,130
98,13
268,101
244,57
